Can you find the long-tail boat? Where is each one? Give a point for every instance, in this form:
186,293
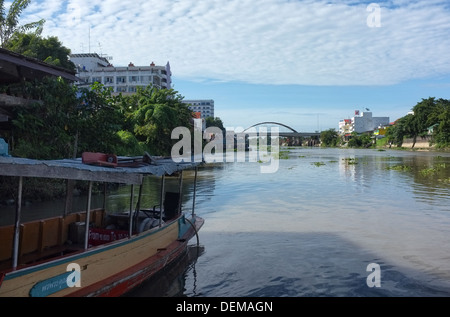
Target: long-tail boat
94,252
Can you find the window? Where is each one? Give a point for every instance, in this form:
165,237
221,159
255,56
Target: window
121,79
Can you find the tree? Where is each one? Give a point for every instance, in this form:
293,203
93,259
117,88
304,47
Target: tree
49,50
153,113
66,122
441,135
329,137
399,130
9,23
364,140
214,122
418,123
98,121
41,130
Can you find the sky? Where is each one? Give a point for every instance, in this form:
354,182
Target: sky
306,64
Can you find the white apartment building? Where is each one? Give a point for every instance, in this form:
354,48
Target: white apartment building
362,123
204,107
93,68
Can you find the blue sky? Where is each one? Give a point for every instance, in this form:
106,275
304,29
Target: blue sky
304,63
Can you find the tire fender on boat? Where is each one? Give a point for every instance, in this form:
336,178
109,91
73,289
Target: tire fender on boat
145,224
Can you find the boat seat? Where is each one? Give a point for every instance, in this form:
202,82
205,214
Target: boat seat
171,206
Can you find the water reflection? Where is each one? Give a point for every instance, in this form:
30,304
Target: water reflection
172,281
311,228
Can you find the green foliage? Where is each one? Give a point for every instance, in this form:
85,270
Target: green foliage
358,141
329,138
427,113
41,129
49,50
404,168
129,145
66,122
214,122
152,114
98,120
9,22
441,134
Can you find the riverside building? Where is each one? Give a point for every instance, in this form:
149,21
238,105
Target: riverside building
361,123
92,68
204,108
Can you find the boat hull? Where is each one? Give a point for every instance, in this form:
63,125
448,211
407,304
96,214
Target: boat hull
107,270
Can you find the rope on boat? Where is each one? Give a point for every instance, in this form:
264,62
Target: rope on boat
195,230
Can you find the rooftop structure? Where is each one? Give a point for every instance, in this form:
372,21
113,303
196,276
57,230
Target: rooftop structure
93,68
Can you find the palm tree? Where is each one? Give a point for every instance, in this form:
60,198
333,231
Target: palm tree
9,22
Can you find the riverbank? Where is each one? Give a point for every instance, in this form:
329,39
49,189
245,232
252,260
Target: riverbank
421,144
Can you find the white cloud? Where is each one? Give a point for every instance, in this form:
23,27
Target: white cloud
269,41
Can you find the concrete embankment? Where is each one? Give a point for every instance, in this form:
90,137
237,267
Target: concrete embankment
421,143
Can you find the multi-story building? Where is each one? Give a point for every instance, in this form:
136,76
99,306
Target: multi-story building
345,126
93,68
204,108
362,123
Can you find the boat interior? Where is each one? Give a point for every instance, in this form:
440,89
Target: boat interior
46,238
43,239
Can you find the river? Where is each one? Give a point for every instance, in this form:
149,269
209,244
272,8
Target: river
328,223
315,226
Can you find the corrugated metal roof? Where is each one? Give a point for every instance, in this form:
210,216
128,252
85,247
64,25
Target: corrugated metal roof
75,169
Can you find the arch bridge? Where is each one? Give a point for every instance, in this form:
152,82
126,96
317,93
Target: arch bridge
293,132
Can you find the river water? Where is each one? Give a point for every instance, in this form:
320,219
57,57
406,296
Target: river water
328,222
314,227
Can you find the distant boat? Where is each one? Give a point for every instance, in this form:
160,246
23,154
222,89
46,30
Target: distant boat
94,253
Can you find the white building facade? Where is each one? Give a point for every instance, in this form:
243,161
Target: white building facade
204,107
93,68
362,123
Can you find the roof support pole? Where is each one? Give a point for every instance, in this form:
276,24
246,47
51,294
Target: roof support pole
161,199
130,217
138,209
180,191
195,191
88,216
17,224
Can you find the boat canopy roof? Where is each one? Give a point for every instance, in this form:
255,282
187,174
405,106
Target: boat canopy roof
77,170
